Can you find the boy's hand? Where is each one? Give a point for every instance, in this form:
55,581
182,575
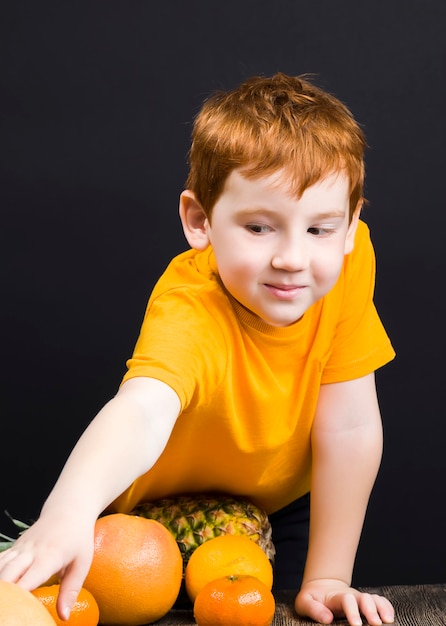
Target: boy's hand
324,600
43,550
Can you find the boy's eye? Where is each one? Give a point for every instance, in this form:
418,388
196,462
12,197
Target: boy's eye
258,228
319,231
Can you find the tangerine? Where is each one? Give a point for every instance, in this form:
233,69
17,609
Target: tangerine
226,555
19,607
136,572
85,611
234,600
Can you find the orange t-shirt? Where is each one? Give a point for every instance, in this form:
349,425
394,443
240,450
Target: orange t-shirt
248,390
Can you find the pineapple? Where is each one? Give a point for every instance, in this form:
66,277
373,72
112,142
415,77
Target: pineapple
194,519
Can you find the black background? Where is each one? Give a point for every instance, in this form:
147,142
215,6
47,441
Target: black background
96,108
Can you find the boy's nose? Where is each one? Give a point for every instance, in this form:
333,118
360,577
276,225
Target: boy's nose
290,256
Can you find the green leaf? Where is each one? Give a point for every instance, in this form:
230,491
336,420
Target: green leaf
17,522
4,545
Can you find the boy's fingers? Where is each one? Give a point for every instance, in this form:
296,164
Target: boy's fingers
350,609
384,608
375,609
307,606
65,601
70,586
14,567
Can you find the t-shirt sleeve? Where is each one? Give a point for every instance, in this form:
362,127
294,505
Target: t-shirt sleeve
176,337
361,344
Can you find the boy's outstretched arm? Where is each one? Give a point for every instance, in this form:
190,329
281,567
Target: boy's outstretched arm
122,442
347,448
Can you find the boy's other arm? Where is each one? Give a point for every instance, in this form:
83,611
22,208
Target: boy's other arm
347,449
122,442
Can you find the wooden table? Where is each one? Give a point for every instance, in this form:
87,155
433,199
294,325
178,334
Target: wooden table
415,605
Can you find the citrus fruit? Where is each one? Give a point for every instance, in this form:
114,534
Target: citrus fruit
234,600
19,607
85,611
136,572
227,555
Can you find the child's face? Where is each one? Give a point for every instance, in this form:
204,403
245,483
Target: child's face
277,255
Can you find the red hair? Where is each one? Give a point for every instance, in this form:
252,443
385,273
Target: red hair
270,124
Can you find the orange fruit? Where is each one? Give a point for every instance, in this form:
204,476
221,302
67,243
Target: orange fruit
226,555
85,611
19,607
136,572
234,600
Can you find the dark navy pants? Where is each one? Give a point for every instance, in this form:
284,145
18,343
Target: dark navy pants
290,528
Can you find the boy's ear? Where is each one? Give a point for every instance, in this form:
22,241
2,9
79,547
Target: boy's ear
350,239
194,220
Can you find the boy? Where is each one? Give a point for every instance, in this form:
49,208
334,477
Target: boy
253,371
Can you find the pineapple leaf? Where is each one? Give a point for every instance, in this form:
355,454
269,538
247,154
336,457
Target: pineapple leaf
9,541
4,545
17,522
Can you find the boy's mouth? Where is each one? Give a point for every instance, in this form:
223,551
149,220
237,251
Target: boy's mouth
284,292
